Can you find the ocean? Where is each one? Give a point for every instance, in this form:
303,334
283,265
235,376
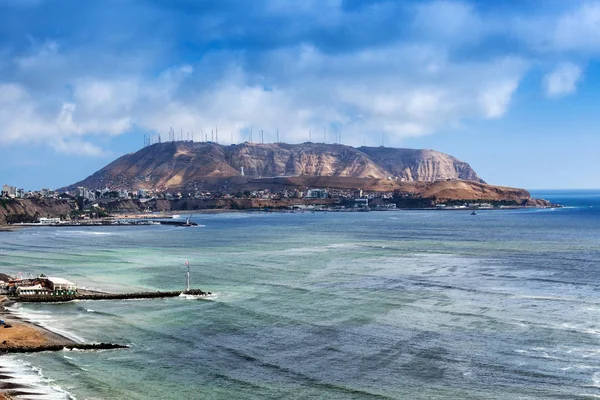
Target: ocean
504,304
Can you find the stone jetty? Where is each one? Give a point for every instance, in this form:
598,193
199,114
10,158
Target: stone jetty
106,296
59,347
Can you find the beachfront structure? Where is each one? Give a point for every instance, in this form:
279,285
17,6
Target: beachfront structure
49,221
40,286
58,286
35,290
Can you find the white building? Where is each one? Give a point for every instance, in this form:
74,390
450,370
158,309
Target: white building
82,192
49,221
60,285
361,203
9,191
35,290
316,193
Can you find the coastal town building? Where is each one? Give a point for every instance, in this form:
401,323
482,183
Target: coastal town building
361,203
40,286
35,290
9,191
316,194
49,221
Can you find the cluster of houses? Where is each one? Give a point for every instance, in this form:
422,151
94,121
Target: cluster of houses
40,286
18,193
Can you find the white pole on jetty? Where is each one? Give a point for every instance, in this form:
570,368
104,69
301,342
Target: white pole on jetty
187,276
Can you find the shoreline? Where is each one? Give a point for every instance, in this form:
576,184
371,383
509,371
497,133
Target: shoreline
169,214
26,334
21,336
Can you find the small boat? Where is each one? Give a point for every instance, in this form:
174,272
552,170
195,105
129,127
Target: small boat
474,213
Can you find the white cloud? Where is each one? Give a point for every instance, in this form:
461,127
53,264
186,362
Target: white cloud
392,90
418,81
77,147
574,31
579,30
563,80
495,97
451,22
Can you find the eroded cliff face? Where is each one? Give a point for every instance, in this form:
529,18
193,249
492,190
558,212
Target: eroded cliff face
302,159
173,165
34,208
421,165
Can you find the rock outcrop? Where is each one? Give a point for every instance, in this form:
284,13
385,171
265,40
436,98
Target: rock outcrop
175,165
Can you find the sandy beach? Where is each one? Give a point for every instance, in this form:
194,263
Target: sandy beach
21,335
25,334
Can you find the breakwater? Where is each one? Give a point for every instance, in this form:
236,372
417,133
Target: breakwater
59,347
107,296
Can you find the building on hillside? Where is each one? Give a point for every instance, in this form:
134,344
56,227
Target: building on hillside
9,191
82,192
361,203
316,194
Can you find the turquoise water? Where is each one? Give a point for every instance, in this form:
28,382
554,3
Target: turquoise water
406,304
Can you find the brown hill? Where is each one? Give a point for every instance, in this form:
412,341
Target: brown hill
440,190
177,165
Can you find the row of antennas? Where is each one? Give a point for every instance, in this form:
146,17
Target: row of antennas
152,138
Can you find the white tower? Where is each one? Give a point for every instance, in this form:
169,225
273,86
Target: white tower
187,277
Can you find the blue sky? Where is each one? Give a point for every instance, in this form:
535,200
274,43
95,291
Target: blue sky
509,86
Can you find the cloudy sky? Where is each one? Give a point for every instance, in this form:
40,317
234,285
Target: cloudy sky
509,86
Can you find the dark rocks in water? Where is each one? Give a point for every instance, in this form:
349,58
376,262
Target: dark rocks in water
60,347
